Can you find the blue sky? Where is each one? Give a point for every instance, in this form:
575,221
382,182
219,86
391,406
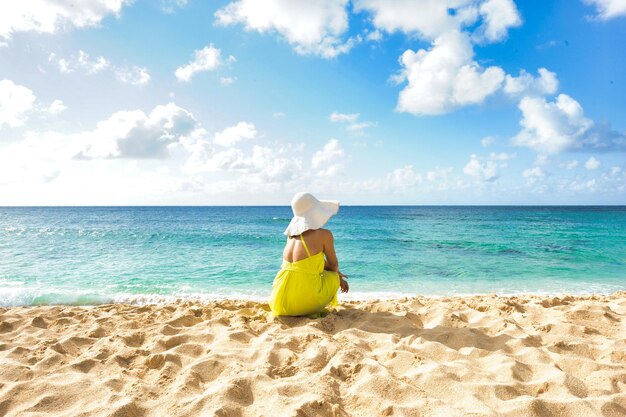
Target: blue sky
365,101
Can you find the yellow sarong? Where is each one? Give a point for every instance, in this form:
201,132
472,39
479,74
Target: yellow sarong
303,287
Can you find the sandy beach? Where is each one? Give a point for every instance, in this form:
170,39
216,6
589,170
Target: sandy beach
460,356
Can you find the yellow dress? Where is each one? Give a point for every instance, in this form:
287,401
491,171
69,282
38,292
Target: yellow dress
303,287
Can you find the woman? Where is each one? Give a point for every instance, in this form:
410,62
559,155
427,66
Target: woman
309,277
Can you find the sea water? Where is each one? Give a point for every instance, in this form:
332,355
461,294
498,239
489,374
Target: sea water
94,255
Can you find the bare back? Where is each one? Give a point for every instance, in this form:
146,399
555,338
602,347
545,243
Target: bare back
319,240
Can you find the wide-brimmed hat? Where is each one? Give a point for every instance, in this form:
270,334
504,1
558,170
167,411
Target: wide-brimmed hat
310,213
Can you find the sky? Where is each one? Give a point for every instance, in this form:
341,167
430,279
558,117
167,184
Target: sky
189,102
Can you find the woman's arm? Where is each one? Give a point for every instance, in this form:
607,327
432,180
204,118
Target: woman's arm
331,263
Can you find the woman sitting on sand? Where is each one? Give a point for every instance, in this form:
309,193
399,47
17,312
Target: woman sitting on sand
309,277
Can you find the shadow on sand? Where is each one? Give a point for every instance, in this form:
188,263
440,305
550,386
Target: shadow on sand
455,335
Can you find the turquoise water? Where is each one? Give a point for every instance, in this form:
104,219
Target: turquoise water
93,255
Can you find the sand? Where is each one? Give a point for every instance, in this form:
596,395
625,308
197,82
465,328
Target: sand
462,356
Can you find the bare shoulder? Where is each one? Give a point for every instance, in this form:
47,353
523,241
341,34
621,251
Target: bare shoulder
320,235
326,234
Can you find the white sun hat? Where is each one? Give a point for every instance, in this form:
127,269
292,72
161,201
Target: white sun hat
310,213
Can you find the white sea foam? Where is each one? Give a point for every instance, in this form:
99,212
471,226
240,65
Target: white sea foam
24,296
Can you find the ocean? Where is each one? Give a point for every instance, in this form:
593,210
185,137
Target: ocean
96,255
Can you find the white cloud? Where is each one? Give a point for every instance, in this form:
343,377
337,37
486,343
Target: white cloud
170,6
431,18
487,141
39,169
374,36
553,127
592,164
498,17
16,101
502,156
134,75
541,159
482,171
533,174
50,16
234,134
31,159
35,158
439,79
343,117
404,178
445,77
427,18
262,165
278,114
56,107
227,80
310,27
273,166
91,66
51,166
407,179
570,164
263,161
589,185
439,178
330,160
359,128
82,62
608,9
546,45
133,134
353,125
205,59
526,84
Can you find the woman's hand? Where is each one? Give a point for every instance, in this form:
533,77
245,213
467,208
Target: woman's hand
343,283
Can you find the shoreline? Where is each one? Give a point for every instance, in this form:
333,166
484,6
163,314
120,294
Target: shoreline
160,300
484,355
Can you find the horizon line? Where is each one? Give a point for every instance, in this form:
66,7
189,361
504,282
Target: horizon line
287,205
